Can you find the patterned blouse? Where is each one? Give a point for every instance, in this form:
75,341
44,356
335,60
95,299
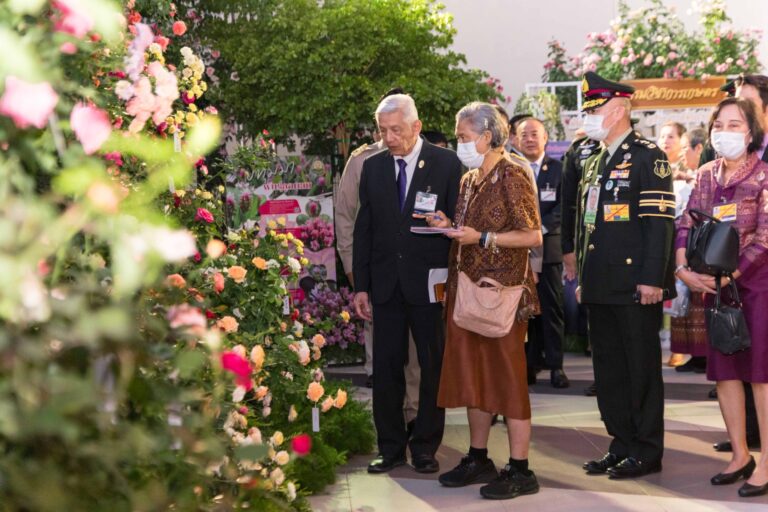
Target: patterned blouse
747,187
505,200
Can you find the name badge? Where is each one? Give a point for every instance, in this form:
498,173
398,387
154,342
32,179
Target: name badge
590,210
725,212
425,202
616,212
619,174
548,195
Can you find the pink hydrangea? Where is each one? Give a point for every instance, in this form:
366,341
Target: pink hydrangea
27,104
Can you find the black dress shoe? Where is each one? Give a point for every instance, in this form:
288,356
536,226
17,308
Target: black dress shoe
595,467
425,464
749,490
559,379
369,382
712,394
633,468
509,484
591,390
469,471
729,478
689,366
382,464
725,446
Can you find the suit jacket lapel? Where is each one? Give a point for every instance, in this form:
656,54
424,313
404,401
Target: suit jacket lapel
417,182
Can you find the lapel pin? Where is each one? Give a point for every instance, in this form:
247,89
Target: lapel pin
421,164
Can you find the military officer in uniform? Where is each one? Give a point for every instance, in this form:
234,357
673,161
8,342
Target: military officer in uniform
573,164
627,210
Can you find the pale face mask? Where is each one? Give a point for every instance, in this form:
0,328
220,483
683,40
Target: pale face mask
468,154
731,145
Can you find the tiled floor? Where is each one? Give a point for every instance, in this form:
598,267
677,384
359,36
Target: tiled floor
566,431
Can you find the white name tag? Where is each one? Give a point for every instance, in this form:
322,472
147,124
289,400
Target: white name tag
548,195
425,202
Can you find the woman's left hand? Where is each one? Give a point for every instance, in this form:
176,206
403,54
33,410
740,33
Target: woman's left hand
465,236
710,281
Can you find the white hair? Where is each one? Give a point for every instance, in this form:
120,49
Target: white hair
399,103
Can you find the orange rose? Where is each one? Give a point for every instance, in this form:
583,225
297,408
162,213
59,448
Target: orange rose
327,404
237,273
227,324
318,340
215,248
260,392
257,357
176,281
341,399
315,391
259,263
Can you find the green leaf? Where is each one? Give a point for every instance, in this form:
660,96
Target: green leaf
190,361
250,452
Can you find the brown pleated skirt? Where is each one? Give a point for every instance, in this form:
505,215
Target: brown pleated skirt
689,333
485,373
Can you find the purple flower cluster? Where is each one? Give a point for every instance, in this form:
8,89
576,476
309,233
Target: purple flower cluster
317,234
324,304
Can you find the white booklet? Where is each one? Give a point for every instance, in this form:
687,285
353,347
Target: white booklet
426,230
437,276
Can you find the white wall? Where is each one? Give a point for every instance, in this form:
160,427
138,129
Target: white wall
508,38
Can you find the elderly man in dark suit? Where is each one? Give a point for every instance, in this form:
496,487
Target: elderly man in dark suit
546,331
391,266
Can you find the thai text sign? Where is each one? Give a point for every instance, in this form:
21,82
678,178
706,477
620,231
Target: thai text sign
674,93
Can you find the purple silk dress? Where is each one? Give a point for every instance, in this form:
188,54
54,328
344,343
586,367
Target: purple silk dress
748,188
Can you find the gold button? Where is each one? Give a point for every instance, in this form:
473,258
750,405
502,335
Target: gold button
629,261
591,247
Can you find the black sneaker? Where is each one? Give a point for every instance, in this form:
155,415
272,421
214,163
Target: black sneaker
469,471
510,484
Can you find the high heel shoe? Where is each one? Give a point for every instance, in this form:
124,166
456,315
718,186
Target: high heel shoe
749,490
729,478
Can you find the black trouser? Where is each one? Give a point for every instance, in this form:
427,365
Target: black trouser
626,354
546,331
391,322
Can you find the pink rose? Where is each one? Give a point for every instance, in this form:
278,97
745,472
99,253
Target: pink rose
74,18
204,215
186,316
91,126
238,365
301,444
179,28
27,104
68,48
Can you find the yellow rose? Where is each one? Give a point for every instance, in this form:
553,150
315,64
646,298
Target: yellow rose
304,262
172,128
204,86
191,119
277,438
207,195
192,107
341,399
237,273
227,324
259,263
315,391
289,236
221,188
272,225
181,193
345,316
281,221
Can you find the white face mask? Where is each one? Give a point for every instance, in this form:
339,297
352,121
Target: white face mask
593,127
468,154
730,145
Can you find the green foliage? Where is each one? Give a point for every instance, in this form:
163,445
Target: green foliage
545,106
318,468
350,433
306,67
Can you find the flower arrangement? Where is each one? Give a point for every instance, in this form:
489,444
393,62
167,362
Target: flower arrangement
335,315
651,42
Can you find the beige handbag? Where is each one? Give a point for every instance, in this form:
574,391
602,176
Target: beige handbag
485,307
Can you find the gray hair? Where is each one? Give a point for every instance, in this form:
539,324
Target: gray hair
484,116
399,103
696,136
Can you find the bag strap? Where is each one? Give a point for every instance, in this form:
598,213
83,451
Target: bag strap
698,216
733,287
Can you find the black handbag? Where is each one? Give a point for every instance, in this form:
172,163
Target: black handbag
727,327
712,247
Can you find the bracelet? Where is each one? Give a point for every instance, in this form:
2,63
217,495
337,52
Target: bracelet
493,242
679,268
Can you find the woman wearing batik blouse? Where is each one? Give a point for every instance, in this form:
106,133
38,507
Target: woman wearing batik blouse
740,179
499,218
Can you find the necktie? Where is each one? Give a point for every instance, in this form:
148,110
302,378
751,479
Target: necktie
402,181
535,168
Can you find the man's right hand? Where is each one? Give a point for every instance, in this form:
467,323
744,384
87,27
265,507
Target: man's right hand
363,306
569,263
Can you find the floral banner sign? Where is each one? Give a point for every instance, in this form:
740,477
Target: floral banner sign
295,196
662,93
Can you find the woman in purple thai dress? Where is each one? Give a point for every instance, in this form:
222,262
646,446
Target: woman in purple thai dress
734,188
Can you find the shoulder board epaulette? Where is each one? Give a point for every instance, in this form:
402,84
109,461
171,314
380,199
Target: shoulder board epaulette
360,150
645,142
517,158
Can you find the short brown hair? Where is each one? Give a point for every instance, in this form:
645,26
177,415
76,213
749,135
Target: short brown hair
749,112
679,127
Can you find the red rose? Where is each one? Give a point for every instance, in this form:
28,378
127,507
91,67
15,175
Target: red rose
210,315
197,257
301,444
179,28
203,215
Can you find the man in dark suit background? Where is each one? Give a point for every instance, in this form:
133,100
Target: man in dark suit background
546,331
391,268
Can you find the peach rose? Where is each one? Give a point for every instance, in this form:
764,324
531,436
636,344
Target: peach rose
237,273
240,351
218,282
176,281
318,340
292,414
315,391
257,357
259,263
215,248
282,458
341,399
260,392
227,324
327,404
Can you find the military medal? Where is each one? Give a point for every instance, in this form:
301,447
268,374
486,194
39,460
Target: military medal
421,164
627,156
608,185
625,146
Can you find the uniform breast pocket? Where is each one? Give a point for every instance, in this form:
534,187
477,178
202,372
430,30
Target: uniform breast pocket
624,269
